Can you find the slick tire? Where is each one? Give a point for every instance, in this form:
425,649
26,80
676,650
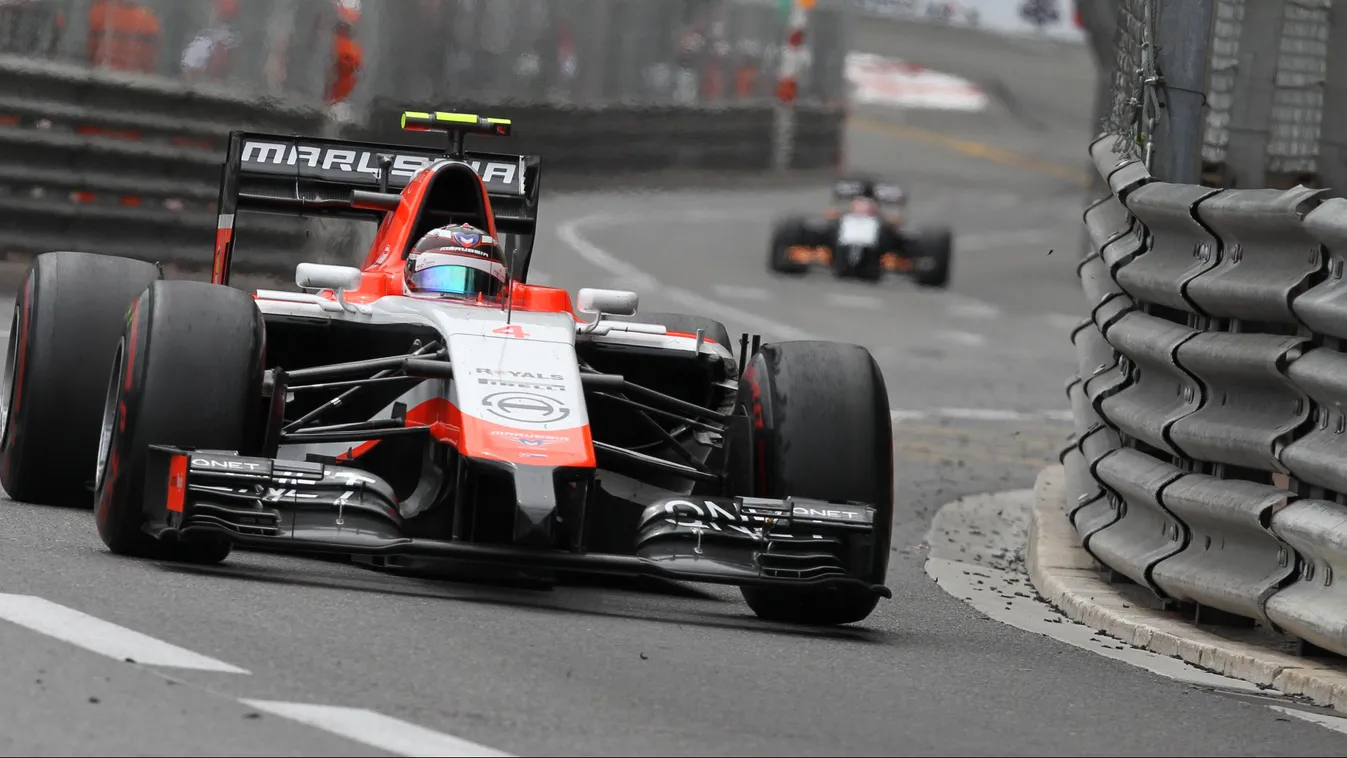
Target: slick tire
933,253
68,317
788,232
188,373
825,433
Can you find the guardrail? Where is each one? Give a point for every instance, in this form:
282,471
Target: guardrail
129,164
1209,458
123,164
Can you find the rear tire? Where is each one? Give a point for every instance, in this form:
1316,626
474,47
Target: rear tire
933,252
825,433
68,317
187,373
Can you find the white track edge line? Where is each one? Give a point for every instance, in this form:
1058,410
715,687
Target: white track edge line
374,729
103,637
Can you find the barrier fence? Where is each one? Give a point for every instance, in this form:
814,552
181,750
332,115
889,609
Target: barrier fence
1209,461
1209,458
113,112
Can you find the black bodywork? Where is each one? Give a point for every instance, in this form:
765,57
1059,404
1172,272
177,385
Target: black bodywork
672,455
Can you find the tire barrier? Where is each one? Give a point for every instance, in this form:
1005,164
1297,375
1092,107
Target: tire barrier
1209,458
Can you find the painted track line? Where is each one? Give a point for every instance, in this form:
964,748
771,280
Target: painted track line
1336,723
959,337
1063,320
102,637
972,149
740,292
979,414
970,308
849,300
569,232
374,729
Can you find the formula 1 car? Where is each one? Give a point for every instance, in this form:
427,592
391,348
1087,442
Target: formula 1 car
863,236
353,420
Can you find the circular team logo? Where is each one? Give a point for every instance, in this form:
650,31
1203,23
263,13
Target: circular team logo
525,407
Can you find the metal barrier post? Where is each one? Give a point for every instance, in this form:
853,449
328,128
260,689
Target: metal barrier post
1183,39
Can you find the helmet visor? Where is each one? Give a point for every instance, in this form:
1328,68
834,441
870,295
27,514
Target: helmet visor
457,275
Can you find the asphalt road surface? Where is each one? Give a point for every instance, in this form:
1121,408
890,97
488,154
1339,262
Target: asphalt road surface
282,656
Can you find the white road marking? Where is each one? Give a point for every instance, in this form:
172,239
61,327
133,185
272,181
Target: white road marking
995,240
847,300
969,308
102,637
1336,723
901,416
968,339
374,729
1064,321
736,292
597,256
979,414
600,257
982,414
640,286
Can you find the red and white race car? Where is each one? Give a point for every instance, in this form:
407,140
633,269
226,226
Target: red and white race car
527,432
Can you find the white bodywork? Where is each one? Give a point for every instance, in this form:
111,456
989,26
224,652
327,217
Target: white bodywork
516,381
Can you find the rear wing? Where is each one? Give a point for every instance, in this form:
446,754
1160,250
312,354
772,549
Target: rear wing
311,176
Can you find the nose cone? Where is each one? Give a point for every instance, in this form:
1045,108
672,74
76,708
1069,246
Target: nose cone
535,515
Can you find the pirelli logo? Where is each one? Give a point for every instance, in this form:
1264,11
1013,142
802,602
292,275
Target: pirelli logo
361,165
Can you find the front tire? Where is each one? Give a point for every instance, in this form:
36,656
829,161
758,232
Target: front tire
787,233
187,373
68,317
821,430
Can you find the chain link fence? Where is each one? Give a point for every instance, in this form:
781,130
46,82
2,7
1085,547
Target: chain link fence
580,52
1125,117
1276,89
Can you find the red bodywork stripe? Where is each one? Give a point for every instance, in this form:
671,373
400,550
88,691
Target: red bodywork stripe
222,238
177,483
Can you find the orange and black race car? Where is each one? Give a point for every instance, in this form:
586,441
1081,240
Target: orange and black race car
863,236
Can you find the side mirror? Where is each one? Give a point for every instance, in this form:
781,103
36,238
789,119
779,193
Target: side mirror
610,302
324,276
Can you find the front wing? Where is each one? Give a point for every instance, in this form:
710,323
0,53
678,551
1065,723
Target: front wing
822,255
320,508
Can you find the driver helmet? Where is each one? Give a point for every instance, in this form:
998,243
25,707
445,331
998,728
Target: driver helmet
456,261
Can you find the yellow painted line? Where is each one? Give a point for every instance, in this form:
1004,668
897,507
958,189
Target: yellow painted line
979,150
